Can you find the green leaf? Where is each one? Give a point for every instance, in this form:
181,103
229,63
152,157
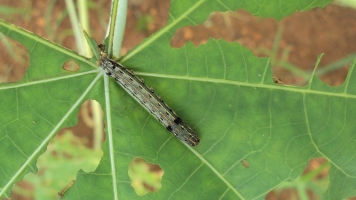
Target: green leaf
221,89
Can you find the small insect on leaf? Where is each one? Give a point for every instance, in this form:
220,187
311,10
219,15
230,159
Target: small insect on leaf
245,163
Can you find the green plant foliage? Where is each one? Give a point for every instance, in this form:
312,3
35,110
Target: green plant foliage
221,89
143,178
65,156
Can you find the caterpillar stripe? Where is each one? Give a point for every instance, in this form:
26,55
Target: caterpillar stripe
148,99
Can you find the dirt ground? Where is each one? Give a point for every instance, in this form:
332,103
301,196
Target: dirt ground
304,35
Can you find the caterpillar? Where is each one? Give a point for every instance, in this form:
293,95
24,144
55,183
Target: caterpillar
148,99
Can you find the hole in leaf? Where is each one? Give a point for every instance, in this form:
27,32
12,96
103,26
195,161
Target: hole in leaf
72,149
230,26
14,60
312,183
145,177
71,66
288,42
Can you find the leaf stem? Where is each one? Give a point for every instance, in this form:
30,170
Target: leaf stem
116,27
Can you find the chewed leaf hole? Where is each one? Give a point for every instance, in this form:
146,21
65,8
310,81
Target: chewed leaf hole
72,149
309,185
14,61
71,66
145,177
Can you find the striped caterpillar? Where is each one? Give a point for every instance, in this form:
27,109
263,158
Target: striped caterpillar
148,99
